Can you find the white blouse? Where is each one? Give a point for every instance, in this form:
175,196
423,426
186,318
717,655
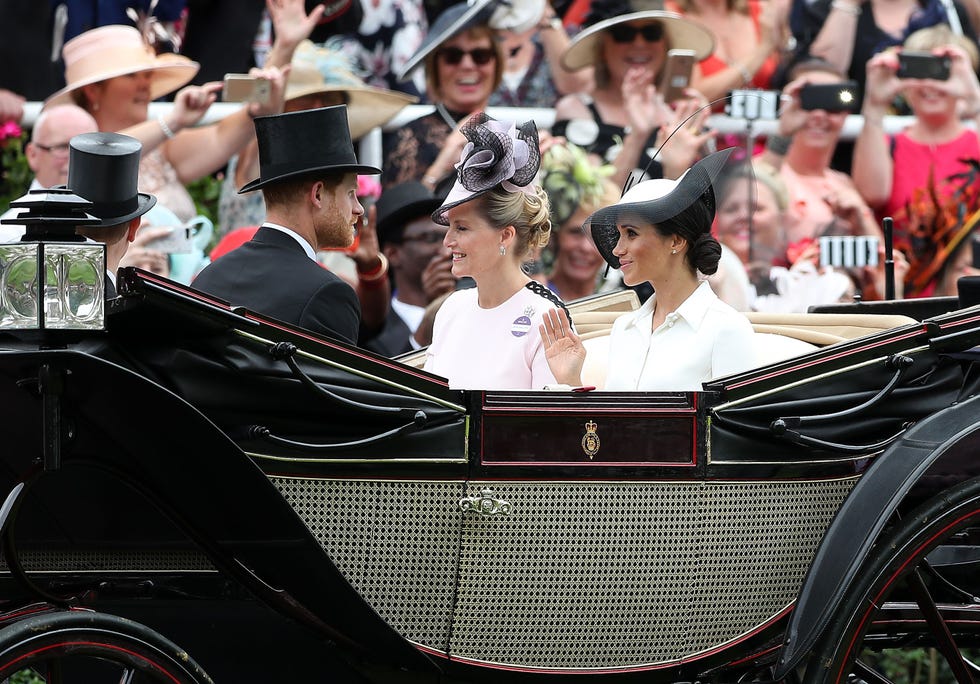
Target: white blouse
703,339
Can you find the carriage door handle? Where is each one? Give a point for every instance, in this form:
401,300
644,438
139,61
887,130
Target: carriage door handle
485,504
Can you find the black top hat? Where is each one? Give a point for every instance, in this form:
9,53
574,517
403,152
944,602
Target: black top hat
401,204
104,168
303,143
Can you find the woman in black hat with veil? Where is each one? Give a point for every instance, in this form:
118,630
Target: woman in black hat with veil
660,232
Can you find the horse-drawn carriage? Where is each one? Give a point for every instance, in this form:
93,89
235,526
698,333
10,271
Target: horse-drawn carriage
195,488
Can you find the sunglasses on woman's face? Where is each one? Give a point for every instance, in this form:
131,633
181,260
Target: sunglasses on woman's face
624,33
454,55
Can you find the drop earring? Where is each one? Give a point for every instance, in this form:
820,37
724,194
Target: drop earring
503,250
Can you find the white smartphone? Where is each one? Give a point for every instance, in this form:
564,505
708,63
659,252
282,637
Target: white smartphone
245,88
676,76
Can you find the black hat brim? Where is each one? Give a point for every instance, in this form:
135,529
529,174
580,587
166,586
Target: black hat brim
144,202
361,169
699,179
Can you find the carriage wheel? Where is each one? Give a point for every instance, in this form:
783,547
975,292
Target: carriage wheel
906,599
91,648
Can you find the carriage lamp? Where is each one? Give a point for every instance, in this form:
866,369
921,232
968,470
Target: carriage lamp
52,280
55,286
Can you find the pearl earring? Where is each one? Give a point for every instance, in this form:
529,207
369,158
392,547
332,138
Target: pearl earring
673,251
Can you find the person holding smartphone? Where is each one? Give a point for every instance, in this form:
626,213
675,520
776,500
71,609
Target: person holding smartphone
916,176
620,121
820,198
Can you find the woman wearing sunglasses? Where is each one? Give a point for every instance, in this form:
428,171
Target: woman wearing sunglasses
463,66
619,122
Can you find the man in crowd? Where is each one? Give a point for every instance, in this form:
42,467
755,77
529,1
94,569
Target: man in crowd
47,153
421,267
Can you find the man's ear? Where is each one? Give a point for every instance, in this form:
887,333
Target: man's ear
133,228
316,194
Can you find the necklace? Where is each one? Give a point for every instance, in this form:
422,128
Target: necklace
444,113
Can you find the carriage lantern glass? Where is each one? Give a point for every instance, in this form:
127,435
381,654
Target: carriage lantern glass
52,279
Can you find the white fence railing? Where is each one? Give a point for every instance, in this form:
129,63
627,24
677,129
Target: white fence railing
370,145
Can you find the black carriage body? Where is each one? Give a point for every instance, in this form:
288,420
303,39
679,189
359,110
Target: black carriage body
214,460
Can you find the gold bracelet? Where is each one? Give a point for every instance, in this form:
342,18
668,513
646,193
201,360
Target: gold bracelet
377,273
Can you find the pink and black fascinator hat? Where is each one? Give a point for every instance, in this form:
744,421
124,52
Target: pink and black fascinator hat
499,153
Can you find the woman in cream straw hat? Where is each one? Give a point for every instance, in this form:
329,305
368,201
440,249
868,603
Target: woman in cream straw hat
112,73
319,77
619,122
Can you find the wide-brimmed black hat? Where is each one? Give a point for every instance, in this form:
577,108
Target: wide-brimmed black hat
304,143
104,168
401,204
655,201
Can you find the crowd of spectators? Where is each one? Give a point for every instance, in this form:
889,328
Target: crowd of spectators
598,64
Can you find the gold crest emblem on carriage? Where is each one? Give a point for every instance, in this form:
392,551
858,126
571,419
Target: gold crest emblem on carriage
590,442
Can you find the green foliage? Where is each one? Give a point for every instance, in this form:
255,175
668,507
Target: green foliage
205,192
15,176
25,677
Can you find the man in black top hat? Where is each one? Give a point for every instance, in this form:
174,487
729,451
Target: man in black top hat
103,168
308,177
421,266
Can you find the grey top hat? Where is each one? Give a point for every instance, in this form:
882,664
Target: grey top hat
303,143
104,168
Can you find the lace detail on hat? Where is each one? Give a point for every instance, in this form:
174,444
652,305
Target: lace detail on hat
498,152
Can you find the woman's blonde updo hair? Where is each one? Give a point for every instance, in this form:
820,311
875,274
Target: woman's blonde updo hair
529,214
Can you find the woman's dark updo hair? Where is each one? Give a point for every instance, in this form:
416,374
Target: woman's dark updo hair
694,225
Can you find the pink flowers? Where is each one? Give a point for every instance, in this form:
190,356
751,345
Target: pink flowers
9,129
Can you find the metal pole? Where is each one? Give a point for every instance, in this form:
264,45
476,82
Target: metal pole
886,228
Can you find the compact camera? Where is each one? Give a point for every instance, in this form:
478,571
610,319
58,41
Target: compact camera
846,251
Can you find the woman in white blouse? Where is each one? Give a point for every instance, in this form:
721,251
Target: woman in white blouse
660,232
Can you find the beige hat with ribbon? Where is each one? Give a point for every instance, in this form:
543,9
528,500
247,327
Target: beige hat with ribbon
110,51
317,70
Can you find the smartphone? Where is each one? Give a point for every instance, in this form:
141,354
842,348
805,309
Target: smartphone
922,65
846,251
178,241
245,88
676,75
830,97
753,104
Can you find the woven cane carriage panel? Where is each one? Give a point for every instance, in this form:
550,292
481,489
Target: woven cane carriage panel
396,543
99,560
612,575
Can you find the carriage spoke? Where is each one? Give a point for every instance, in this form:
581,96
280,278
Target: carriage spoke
944,639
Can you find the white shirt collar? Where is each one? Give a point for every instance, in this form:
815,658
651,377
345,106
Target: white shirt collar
307,247
693,309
